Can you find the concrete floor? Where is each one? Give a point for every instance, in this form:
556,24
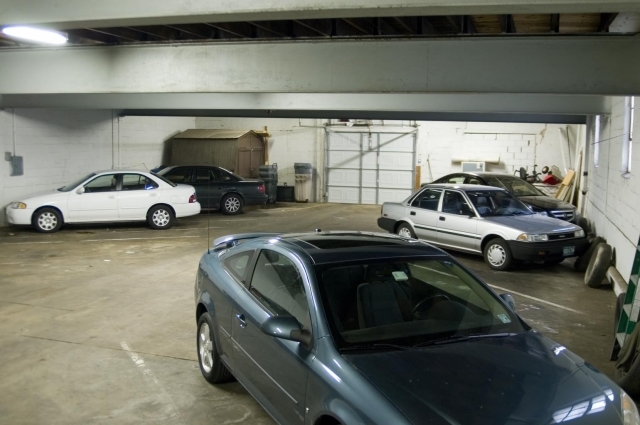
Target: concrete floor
97,322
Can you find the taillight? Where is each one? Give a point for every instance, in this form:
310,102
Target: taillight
261,188
192,198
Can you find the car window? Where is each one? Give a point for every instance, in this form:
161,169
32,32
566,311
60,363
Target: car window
428,199
408,302
216,175
456,179
137,182
237,264
178,175
104,183
519,187
455,203
277,283
492,181
493,203
203,176
473,180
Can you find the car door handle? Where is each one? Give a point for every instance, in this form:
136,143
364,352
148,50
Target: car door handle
111,196
153,194
412,213
243,323
442,218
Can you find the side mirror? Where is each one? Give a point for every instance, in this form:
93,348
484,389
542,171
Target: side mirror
507,298
80,190
286,327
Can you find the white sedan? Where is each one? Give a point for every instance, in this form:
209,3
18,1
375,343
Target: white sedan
107,196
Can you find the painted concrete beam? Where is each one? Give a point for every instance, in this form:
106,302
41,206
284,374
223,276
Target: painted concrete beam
585,65
100,13
318,103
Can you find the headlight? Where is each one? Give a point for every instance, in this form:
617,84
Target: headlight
527,237
630,414
543,213
18,205
579,234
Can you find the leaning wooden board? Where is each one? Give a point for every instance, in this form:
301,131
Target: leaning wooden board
565,185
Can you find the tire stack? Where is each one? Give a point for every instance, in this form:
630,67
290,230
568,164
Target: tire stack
269,173
595,262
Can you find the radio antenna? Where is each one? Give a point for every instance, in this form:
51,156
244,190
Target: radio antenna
208,211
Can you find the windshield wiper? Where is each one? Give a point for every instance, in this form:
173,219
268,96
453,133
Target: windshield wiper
459,338
375,347
520,213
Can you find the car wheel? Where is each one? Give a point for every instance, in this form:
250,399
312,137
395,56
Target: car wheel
231,204
160,217
497,254
405,231
47,220
212,368
598,265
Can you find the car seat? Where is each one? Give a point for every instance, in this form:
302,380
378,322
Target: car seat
482,207
382,303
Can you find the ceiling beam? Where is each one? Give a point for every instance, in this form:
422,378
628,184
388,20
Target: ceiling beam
268,27
117,13
353,24
438,65
325,32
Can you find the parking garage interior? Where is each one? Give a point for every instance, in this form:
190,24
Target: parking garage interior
97,320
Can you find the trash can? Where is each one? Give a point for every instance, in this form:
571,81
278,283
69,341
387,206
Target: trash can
304,172
269,174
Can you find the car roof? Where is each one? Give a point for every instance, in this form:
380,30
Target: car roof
344,246
474,187
483,173
97,173
341,247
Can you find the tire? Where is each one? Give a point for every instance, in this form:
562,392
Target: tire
618,311
497,254
584,223
212,368
598,266
231,204
160,217
629,379
47,220
582,262
406,231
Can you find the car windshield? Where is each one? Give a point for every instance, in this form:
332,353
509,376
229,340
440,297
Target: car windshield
172,184
71,186
514,185
409,303
496,203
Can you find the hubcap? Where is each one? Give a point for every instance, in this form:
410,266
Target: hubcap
205,348
404,232
496,255
47,221
161,218
232,204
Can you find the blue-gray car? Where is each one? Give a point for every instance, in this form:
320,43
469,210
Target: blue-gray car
364,328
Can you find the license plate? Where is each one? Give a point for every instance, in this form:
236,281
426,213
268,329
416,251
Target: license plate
568,250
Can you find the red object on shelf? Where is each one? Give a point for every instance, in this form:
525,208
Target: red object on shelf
550,179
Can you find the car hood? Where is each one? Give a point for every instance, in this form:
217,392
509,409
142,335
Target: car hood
522,379
44,194
534,223
547,203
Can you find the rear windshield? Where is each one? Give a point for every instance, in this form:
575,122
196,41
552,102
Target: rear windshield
170,183
514,185
409,302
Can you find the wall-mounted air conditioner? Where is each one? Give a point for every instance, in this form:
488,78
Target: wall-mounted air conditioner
472,167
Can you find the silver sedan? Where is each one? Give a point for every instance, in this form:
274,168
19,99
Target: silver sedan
483,220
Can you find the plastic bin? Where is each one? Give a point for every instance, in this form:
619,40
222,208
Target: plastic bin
269,174
304,173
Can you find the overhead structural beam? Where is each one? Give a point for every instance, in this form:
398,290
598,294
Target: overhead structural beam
115,13
440,107
588,65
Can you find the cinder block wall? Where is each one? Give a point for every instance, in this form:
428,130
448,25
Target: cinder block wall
59,146
613,201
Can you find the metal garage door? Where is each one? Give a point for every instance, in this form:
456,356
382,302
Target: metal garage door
369,168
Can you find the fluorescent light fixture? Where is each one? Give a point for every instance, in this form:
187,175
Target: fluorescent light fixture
35,34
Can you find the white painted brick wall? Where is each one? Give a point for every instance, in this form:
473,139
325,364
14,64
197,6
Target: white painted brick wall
145,141
613,201
58,146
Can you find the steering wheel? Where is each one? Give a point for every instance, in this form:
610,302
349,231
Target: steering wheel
415,311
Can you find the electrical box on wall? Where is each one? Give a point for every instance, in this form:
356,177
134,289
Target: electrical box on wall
17,168
472,167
